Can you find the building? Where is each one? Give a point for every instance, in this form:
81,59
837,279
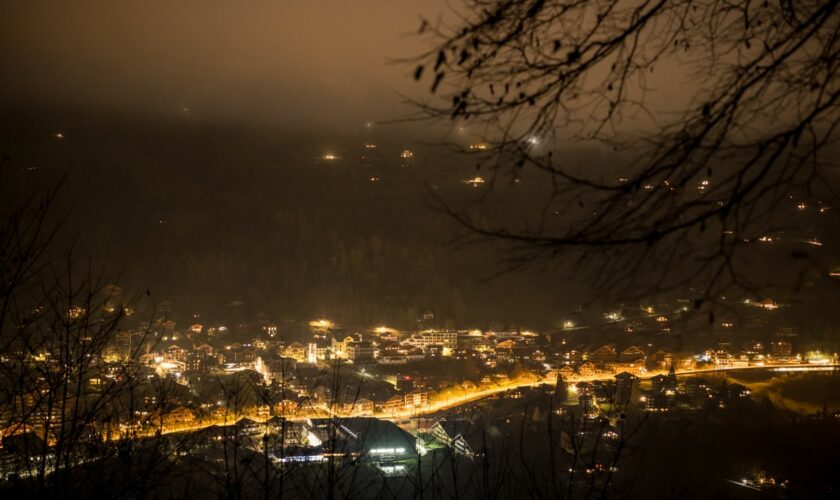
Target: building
360,407
586,369
177,352
318,350
393,359
696,388
661,360
588,405
428,338
361,352
296,351
781,349
394,404
624,384
339,346
664,384
281,369
658,402
416,400
566,372
293,434
459,435
178,416
632,355
286,407
658,383
736,391
572,357
197,362
374,439
602,355
586,399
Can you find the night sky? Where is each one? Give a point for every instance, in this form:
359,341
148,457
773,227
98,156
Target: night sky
318,63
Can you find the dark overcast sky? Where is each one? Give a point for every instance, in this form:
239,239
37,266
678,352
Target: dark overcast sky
303,63
321,61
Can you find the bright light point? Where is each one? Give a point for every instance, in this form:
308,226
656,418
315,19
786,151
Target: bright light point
329,157
321,323
613,316
769,305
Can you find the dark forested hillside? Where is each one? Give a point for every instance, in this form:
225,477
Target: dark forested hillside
209,215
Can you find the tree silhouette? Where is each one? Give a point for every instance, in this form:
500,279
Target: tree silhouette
696,185
64,409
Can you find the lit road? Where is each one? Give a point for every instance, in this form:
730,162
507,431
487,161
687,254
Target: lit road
462,397
475,395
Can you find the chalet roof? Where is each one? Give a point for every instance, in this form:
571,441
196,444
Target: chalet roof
632,349
459,427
